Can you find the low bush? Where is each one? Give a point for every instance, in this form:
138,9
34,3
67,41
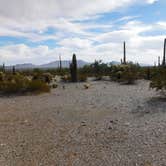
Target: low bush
126,74
18,84
45,77
82,77
37,86
66,78
158,81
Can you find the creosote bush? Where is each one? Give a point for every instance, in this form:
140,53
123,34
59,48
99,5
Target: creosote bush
37,86
45,77
82,77
19,84
126,74
158,81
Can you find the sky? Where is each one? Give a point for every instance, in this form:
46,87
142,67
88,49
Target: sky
38,31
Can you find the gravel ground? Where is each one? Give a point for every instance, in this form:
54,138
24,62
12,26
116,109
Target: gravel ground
106,125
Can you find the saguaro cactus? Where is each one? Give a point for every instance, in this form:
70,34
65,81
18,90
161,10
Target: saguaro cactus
121,61
124,52
60,63
73,69
3,67
14,70
148,73
164,56
158,60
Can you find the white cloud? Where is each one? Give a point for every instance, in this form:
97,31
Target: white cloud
30,15
31,18
152,1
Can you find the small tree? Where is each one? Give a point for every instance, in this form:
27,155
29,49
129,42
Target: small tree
159,80
126,74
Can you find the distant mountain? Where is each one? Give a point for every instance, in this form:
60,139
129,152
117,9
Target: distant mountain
25,66
22,66
55,64
114,63
65,64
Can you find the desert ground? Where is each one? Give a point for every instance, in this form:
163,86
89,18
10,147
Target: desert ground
106,125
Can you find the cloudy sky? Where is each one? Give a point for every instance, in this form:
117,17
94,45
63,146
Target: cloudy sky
37,31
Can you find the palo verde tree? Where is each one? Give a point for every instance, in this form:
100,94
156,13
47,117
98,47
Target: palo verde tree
159,79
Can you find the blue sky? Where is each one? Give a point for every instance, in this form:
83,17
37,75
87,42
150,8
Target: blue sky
37,31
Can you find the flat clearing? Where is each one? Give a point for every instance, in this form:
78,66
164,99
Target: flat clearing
106,125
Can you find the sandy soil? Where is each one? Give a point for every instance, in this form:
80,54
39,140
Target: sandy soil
106,125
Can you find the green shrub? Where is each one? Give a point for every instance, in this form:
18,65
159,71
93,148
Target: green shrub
45,77
37,86
54,86
82,77
13,84
126,74
66,78
158,81
18,84
2,75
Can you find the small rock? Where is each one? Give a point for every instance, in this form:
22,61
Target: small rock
86,86
25,121
83,123
111,121
127,124
147,164
2,144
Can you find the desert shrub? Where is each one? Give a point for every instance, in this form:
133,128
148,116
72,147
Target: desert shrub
96,69
37,86
98,78
158,81
13,84
130,74
54,86
66,78
2,75
82,77
18,84
99,69
124,73
147,72
45,77
86,70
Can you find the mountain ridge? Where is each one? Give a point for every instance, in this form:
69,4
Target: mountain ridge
55,64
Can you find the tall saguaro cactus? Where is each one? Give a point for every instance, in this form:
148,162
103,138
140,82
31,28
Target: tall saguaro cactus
3,67
60,64
124,52
164,56
13,70
158,60
73,69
